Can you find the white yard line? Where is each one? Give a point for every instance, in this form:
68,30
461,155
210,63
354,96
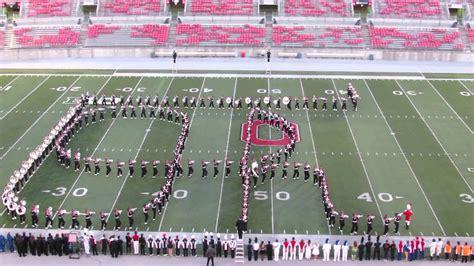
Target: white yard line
450,107
464,85
271,181
37,120
136,155
434,135
225,157
190,124
96,149
406,159
312,139
360,156
24,98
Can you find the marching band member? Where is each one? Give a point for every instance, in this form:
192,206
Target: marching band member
21,211
143,164
386,223
103,220
61,212
204,168
108,162
408,213
342,221
155,167
131,170
146,208
355,221
48,213
334,103
370,221
34,216
228,163
130,213
216,167
88,215
119,168
118,222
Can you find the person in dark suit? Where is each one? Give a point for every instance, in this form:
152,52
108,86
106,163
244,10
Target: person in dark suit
210,253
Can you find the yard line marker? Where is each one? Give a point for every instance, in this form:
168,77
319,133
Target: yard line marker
39,118
406,159
24,98
190,124
450,107
434,135
467,234
456,234
465,87
225,157
360,157
4,210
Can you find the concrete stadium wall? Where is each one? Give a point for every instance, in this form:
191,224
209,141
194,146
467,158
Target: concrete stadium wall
394,55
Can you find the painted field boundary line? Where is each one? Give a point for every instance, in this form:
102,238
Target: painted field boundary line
189,129
406,159
147,131
94,151
225,158
218,75
360,156
25,97
39,118
450,107
436,138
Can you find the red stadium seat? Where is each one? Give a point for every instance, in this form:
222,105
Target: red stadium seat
198,34
132,7
48,8
415,38
409,8
223,7
339,8
46,37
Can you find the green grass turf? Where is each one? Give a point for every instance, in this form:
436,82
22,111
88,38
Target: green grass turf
369,169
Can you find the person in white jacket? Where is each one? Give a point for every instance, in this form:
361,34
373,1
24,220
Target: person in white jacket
326,250
345,251
276,250
337,251
433,247
439,247
316,250
86,239
309,247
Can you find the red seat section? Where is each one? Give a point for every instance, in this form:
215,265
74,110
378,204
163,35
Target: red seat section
318,36
416,38
410,8
158,33
236,35
337,8
95,30
223,7
127,35
55,36
48,8
2,38
132,7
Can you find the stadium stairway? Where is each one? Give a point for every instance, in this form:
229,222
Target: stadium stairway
172,31
239,252
8,36
268,29
465,39
83,36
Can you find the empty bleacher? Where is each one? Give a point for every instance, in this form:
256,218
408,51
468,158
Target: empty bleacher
49,8
220,35
318,36
131,7
2,37
222,7
470,37
45,36
127,34
416,38
315,8
420,9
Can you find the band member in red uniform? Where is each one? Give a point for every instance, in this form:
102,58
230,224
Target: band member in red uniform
190,168
408,213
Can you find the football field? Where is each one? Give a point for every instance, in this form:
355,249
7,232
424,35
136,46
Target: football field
410,141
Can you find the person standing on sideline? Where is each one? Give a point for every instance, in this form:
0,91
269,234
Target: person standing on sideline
286,245
316,250
337,251
447,250
465,252
326,250
354,251
276,250
249,250
345,250
256,247
240,225
210,253
433,246
135,239
269,251
439,248
308,250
